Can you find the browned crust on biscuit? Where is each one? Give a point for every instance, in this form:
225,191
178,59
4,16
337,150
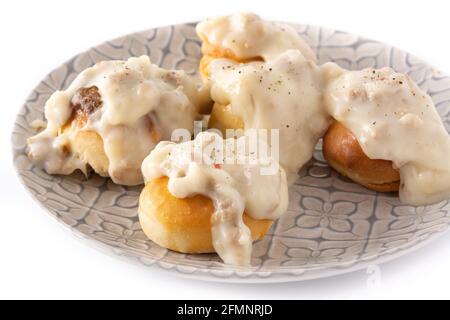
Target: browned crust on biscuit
222,118
211,52
183,225
343,153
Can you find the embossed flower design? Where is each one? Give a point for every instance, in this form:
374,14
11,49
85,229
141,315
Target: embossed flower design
408,216
125,237
325,214
308,257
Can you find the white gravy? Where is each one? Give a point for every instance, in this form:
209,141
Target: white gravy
389,115
393,119
133,93
199,167
285,93
248,36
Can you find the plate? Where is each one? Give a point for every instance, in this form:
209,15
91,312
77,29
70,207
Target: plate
332,226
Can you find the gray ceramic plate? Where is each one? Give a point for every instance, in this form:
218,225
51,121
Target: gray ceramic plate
332,226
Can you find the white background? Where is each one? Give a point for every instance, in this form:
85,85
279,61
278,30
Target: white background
40,259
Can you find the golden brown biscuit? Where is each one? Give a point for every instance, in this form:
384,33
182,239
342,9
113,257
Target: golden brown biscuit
183,225
222,118
211,52
204,66
343,153
88,145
